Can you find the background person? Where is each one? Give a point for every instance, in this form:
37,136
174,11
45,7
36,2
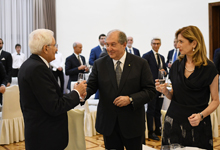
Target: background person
156,62
6,59
18,58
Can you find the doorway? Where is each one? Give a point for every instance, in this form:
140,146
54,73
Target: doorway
214,28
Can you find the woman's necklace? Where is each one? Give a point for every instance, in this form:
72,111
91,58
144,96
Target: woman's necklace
189,70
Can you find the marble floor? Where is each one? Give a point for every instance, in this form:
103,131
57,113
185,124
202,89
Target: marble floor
96,143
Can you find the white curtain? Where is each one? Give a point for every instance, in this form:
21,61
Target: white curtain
15,24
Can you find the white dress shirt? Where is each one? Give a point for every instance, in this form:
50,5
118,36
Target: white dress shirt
177,52
102,47
58,62
17,60
79,58
122,60
155,55
132,51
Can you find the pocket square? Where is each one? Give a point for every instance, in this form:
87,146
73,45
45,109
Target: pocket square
3,58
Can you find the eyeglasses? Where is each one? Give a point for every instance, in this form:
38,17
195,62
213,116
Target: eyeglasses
56,45
156,43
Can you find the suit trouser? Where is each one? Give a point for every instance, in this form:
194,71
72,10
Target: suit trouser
116,141
154,112
15,72
61,77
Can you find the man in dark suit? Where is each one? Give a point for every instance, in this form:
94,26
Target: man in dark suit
6,60
43,105
125,84
217,59
131,49
75,64
3,80
172,55
156,63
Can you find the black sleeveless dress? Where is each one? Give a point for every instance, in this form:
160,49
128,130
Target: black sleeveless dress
190,95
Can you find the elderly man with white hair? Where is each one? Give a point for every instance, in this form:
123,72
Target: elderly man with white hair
43,105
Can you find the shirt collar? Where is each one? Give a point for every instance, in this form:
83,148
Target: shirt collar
44,60
0,51
154,52
101,47
122,59
76,55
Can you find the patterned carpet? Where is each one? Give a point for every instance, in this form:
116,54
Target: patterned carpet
96,143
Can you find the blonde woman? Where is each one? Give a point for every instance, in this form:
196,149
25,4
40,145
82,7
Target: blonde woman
194,78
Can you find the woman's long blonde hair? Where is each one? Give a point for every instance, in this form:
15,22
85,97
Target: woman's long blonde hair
192,33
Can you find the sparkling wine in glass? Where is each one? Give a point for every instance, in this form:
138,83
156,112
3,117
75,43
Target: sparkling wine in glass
161,77
81,77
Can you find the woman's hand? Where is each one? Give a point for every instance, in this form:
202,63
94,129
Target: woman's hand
162,88
194,119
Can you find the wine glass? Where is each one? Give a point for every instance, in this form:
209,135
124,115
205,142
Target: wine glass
161,77
81,77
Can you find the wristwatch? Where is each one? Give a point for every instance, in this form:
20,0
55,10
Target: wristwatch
201,116
131,100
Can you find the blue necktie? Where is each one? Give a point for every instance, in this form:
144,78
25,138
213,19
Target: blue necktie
174,57
130,50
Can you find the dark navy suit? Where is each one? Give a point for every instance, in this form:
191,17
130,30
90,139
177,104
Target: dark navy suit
217,59
136,51
154,106
6,60
3,79
94,54
170,56
71,68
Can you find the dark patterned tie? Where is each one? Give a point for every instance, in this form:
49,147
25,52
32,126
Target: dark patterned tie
118,72
158,60
79,60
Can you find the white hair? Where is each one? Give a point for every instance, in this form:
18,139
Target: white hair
38,38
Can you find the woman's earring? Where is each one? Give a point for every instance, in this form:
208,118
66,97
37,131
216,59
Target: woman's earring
193,49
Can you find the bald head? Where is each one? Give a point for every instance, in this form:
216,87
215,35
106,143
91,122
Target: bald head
116,41
130,41
77,47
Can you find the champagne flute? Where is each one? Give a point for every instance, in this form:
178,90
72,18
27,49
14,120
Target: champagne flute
161,77
81,77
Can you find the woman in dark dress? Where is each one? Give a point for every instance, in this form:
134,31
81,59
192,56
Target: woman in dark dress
194,78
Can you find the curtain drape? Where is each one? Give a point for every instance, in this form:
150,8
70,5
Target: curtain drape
16,24
44,15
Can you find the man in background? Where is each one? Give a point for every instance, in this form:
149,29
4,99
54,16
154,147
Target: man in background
217,59
43,105
121,112
172,55
18,58
96,51
157,63
95,54
6,60
3,80
57,68
75,64
131,49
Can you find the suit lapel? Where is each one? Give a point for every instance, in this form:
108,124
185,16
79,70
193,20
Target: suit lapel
153,59
112,74
126,71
